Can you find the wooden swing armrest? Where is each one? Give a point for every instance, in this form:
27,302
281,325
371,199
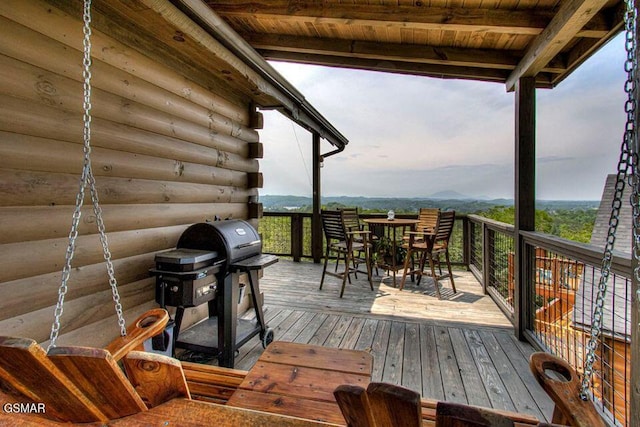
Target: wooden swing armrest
148,325
570,409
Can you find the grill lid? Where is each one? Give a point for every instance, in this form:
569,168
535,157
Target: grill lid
233,239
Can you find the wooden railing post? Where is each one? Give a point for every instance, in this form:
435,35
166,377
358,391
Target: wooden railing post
296,236
487,256
316,224
466,241
525,180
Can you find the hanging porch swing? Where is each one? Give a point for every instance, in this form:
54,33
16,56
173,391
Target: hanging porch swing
81,384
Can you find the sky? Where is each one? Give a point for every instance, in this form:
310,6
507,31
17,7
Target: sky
413,136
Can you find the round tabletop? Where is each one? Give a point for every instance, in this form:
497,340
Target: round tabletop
396,222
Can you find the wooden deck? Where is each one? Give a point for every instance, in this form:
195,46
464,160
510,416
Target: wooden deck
460,349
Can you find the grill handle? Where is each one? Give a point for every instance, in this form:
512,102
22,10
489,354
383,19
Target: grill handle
246,245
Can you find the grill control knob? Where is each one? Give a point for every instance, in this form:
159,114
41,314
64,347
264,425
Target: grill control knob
174,289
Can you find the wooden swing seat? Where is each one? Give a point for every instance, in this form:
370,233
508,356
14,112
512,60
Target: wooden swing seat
86,385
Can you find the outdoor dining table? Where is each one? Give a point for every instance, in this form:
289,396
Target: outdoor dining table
299,379
390,226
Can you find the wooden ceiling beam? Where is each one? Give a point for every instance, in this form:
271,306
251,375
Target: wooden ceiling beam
543,80
461,57
584,48
528,22
572,16
579,53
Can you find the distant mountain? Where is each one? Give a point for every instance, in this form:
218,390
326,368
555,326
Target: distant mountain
445,200
450,195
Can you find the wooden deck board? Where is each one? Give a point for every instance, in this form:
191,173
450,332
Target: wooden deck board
249,353
310,328
367,334
336,335
290,284
520,364
297,327
494,387
453,386
411,367
469,371
379,349
353,333
518,392
320,336
460,349
431,376
393,362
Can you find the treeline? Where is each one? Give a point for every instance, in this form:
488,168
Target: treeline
411,205
571,220
574,224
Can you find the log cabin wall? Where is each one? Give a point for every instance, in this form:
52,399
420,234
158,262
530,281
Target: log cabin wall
171,147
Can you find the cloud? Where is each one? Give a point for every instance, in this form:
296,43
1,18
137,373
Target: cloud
486,180
414,136
551,159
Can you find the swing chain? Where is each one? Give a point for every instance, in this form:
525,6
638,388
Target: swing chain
627,161
86,178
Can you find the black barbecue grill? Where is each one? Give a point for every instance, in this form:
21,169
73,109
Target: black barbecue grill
206,267
186,277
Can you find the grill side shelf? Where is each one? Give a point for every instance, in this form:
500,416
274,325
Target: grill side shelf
257,262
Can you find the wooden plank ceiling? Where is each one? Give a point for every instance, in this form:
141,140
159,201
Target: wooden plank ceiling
488,40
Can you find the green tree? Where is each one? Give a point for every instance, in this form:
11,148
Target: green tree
574,224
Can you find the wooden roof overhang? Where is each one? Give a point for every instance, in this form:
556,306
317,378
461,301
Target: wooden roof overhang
487,40
207,52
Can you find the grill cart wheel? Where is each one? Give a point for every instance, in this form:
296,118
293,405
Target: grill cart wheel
266,337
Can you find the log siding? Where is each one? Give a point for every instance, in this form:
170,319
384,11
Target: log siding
169,149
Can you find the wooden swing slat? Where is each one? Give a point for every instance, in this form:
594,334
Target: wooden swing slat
191,413
212,383
156,378
26,368
392,405
213,387
430,409
176,412
354,404
456,415
99,378
380,405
